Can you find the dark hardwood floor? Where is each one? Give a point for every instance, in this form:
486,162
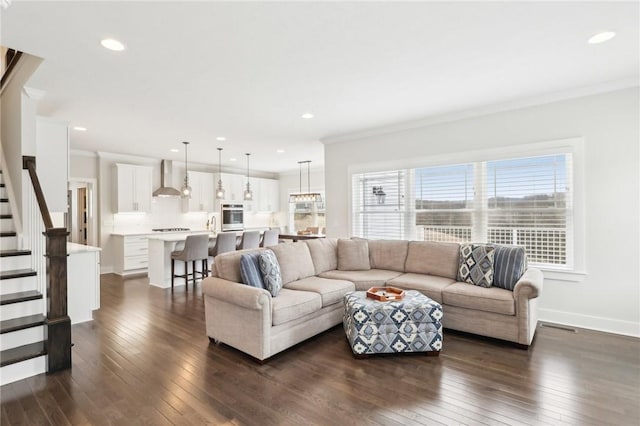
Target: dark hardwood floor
146,360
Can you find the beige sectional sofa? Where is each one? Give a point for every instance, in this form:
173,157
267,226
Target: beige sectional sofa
311,300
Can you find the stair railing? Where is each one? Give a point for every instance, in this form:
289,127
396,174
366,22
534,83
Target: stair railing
50,254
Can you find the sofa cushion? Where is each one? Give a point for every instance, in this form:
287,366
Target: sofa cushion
353,255
509,264
497,300
426,257
388,254
270,272
331,291
363,280
476,264
429,285
295,261
293,304
324,253
250,270
227,265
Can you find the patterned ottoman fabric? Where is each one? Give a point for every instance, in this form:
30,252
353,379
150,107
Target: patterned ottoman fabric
412,324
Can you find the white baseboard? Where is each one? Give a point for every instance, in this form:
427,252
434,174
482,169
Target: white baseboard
106,269
608,325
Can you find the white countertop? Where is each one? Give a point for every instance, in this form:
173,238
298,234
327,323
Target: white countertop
173,237
149,233
73,248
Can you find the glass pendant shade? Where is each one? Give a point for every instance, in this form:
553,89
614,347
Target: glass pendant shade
220,192
248,194
186,189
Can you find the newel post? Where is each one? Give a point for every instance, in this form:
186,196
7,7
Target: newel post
58,342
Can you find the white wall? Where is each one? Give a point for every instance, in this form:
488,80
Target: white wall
608,296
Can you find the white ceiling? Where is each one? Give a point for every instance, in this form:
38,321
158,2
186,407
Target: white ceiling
247,71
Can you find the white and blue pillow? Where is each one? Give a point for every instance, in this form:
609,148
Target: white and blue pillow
476,264
250,270
510,262
270,269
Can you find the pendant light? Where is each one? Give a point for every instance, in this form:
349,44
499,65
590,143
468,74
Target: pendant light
248,194
308,196
186,189
220,190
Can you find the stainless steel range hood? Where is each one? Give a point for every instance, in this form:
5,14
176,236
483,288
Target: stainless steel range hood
166,167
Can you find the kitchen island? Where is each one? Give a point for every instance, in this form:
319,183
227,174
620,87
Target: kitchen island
83,282
160,248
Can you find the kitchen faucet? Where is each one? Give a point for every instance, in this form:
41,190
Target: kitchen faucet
212,223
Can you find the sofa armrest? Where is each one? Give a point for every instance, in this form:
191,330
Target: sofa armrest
529,285
238,294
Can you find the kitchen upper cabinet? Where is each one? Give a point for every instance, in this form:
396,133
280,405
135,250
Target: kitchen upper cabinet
133,188
234,186
268,195
202,193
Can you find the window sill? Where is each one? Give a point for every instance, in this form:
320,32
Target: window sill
559,275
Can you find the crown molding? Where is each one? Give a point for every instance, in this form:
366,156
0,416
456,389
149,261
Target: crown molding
580,92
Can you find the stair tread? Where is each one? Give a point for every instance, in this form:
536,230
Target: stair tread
4,200
21,296
22,353
21,323
17,273
9,253
8,234
6,216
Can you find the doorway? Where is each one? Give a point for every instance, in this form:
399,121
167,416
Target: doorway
81,218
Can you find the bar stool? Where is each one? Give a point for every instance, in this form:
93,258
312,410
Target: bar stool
225,241
195,248
270,238
250,239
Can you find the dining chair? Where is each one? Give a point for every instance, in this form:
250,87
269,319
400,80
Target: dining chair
270,238
250,239
195,249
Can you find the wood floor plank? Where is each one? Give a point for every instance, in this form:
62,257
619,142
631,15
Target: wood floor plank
146,360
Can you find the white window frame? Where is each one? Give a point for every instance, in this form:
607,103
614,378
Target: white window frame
576,269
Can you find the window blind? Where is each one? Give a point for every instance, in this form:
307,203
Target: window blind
529,203
444,202
378,205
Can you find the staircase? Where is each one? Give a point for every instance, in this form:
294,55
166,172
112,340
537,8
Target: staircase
22,308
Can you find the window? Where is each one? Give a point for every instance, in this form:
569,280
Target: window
525,201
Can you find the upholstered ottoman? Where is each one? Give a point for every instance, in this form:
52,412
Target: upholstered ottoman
408,325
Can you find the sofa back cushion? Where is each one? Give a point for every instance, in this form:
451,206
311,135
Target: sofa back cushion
426,257
353,255
227,265
324,253
295,261
388,254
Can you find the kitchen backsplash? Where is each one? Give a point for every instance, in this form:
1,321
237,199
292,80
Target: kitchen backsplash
167,213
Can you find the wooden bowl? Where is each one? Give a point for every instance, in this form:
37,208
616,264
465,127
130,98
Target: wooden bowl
384,294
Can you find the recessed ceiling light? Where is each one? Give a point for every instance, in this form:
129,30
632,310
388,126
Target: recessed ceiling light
279,151
112,44
80,128
602,37
307,115
221,138
174,150
233,159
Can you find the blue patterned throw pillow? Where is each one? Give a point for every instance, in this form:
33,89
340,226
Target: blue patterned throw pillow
250,270
270,270
510,262
476,264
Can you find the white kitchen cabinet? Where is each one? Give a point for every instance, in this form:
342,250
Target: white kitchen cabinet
83,282
52,161
133,188
234,186
202,193
268,195
131,254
